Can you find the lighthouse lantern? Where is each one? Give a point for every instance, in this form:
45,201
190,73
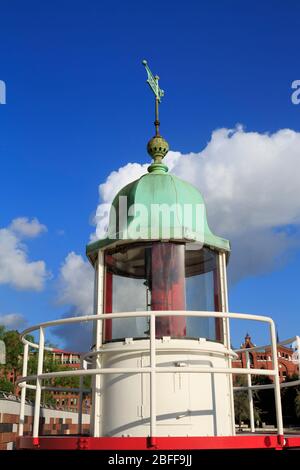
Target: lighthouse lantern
162,276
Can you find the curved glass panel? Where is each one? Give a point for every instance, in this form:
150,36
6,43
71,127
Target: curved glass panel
161,276
202,291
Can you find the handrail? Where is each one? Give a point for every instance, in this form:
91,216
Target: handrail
147,370
157,313
152,369
292,383
87,356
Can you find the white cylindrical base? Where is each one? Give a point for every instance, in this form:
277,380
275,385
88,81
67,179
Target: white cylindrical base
188,404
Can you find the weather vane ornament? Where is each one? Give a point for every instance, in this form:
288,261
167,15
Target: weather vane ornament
157,147
153,82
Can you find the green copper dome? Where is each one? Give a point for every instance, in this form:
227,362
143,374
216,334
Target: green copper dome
138,213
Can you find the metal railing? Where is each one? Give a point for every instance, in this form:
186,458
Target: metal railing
250,388
16,398
152,370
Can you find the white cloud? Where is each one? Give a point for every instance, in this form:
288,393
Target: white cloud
13,321
75,284
249,180
24,227
76,291
250,183
15,268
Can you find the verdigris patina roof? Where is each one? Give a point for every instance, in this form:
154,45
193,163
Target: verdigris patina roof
147,197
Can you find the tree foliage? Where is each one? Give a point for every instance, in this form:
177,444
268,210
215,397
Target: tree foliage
14,349
2,331
6,385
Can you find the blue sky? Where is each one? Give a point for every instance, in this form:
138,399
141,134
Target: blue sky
78,108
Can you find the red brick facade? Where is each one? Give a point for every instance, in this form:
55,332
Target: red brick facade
263,359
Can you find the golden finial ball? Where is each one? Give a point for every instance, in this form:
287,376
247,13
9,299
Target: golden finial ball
157,147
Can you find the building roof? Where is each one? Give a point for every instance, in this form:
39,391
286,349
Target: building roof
63,351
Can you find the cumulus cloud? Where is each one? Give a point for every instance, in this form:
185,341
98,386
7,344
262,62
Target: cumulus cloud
249,180
250,183
76,284
27,228
15,267
75,291
13,321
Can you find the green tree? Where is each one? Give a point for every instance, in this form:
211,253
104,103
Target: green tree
2,331
14,349
6,385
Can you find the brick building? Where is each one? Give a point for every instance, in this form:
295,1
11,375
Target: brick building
69,400
263,359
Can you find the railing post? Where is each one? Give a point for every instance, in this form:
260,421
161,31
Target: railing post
37,404
83,366
250,395
23,390
276,384
152,381
226,331
98,326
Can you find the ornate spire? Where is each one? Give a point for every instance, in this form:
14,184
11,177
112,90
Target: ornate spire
157,147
